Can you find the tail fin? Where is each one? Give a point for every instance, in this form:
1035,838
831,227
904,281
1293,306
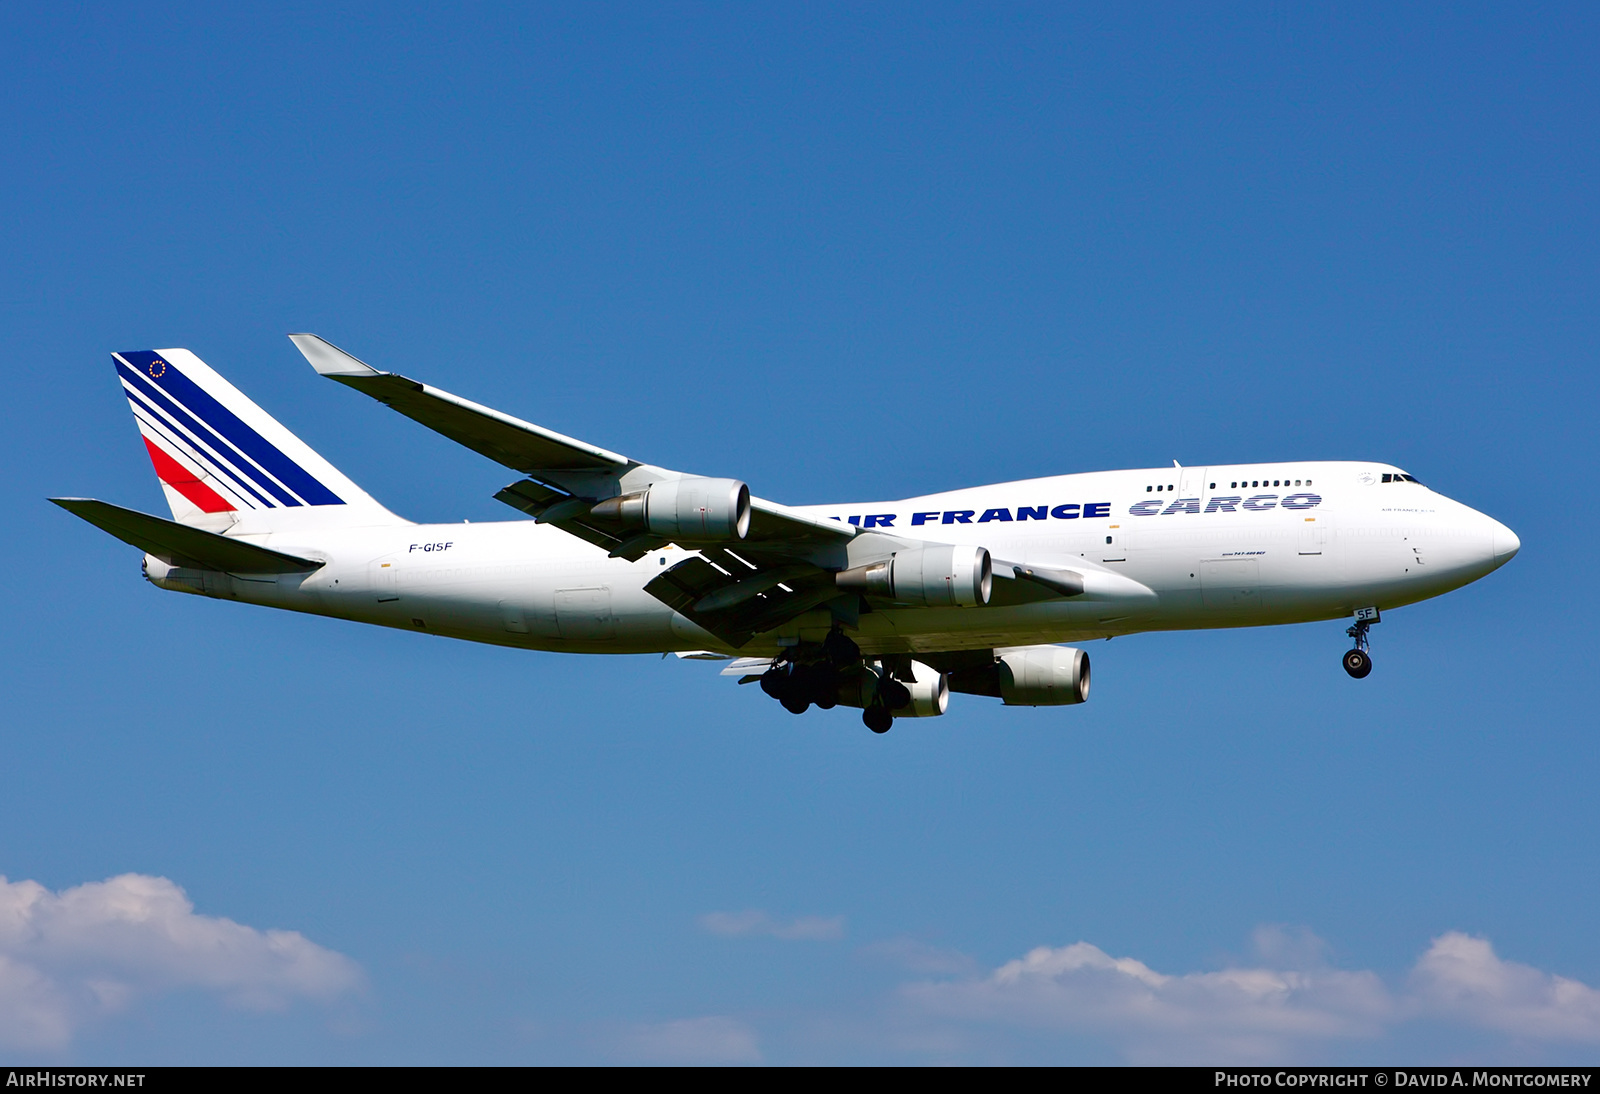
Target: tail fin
223,460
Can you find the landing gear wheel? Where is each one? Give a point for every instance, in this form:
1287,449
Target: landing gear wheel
877,719
795,704
824,686
1358,662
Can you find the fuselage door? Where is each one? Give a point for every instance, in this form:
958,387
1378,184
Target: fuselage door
585,614
384,574
1316,529
1118,538
1194,484
513,618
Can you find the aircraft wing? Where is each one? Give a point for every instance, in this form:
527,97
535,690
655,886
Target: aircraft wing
519,445
781,567
560,468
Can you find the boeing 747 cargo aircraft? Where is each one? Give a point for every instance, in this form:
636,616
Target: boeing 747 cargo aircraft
885,606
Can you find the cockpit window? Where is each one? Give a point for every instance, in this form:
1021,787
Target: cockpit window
1400,476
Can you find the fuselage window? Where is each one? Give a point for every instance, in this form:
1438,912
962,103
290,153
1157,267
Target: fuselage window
1147,490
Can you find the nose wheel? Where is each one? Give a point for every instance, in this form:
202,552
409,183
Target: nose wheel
1358,662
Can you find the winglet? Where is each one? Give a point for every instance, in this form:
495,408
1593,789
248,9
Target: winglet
328,359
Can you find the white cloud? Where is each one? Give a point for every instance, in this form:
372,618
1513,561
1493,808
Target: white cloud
752,923
713,1040
1461,977
93,949
1288,1003
1242,1014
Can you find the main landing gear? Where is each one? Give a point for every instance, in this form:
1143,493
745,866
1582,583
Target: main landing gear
824,674
1358,662
799,681
890,696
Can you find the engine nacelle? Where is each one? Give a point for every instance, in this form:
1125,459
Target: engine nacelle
1043,676
950,576
687,509
930,692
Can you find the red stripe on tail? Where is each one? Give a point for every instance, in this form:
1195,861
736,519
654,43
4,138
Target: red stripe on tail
180,479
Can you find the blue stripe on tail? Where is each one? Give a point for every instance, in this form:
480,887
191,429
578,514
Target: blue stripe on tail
200,403
164,415
221,453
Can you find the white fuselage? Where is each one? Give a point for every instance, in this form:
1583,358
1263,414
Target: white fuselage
1206,554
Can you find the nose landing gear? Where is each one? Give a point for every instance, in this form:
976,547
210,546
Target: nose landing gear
1358,662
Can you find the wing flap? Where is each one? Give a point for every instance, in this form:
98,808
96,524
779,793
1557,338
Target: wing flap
736,599
180,545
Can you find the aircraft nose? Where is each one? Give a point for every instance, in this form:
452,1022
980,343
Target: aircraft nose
1506,543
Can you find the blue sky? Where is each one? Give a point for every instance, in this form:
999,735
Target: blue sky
838,253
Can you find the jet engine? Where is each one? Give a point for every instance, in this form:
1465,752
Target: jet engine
686,509
932,577
1043,676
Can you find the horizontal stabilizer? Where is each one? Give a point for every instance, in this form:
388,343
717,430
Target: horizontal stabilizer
180,545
